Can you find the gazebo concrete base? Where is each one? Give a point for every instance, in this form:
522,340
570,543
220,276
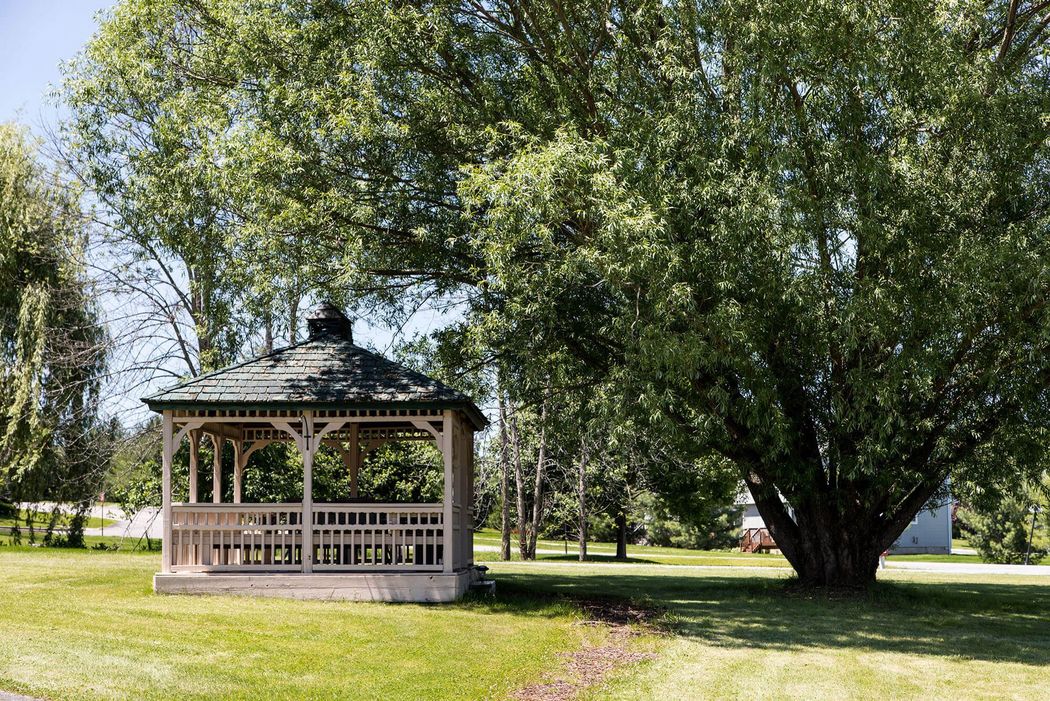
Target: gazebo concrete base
423,587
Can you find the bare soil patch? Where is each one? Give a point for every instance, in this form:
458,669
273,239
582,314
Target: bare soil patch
590,665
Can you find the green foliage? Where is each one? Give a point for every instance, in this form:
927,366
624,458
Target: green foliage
73,537
396,472
52,348
706,526
808,238
999,525
405,472
143,147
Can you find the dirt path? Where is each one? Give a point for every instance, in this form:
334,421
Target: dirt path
590,665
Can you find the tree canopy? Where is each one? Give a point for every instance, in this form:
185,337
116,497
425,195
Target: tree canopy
52,348
806,238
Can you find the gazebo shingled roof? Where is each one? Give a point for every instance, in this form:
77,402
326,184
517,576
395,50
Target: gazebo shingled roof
325,371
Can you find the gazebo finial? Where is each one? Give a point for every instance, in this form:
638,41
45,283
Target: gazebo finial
327,318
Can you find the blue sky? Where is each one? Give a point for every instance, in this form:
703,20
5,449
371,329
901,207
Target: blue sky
35,36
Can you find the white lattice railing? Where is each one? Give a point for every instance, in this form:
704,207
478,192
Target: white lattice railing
236,537
269,537
378,536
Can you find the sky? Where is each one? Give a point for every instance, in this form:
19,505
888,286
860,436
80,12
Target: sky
35,37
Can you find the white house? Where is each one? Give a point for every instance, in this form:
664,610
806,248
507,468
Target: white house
929,532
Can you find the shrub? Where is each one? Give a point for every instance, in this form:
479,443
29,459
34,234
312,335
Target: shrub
1000,534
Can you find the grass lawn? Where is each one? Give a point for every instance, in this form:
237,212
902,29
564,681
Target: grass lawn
740,635
83,625
91,541
956,557
604,552
86,625
487,539
42,519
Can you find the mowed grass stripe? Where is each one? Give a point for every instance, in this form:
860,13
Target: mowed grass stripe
82,625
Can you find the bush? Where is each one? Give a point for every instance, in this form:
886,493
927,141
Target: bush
1000,532
711,528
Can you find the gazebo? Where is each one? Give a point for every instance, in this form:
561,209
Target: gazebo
324,391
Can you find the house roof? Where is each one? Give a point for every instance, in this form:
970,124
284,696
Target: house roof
326,371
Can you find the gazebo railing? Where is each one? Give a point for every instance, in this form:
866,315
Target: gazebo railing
269,537
373,536
216,537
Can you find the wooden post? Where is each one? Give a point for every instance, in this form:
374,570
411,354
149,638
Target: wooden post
195,441
239,461
460,491
308,491
167,451
447,441
355,458
216,470
467,518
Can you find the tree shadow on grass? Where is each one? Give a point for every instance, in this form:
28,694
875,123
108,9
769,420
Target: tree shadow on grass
489,557
519,602
994,622
603,559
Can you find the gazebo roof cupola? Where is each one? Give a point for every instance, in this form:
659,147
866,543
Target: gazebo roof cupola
329,319
326,371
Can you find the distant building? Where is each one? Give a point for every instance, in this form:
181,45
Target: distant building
930,532
754,536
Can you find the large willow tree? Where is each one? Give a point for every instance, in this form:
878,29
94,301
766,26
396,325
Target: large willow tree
52,349
810,238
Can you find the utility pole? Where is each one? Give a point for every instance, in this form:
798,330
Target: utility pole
1031,534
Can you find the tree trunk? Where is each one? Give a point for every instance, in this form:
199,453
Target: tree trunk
537,493
202,327
836,559
268,333
293,317
581,498
504,483
621,535
831,548
519,483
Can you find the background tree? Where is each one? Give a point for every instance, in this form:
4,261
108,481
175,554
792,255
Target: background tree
1000,532
997,515
164,248
52,348
693,501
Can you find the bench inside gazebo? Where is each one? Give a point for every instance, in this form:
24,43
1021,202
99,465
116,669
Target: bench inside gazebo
324,391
